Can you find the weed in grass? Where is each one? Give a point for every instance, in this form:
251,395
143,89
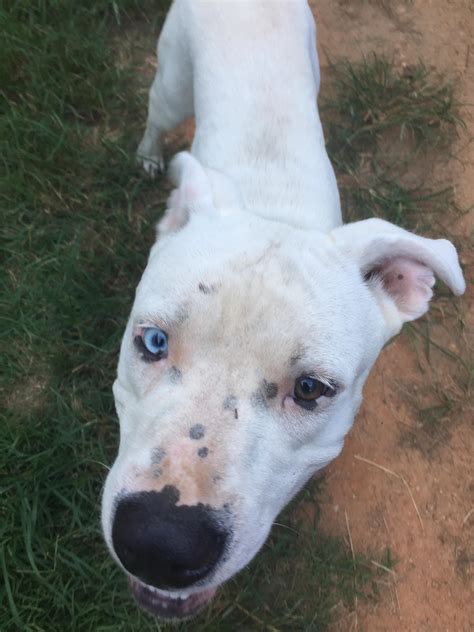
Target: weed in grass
390,200
373,97
437,406
380,124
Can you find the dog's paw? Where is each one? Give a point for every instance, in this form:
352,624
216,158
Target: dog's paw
153,165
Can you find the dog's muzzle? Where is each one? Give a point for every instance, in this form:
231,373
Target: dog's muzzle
165,545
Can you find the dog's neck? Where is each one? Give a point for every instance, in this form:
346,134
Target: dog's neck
257,120
278,164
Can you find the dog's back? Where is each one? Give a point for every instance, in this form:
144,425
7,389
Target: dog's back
253,76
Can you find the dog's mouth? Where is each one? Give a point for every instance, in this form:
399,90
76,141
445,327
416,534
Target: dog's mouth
165,606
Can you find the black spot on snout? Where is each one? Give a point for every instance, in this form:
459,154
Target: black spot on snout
175,375
170,494
157,455
258,400
230,402
270,389
267,390
197,431
203,452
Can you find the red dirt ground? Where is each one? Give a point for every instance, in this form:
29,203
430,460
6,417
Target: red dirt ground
430,466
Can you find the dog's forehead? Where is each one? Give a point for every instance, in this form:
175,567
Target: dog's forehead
243,313
248,261
260,297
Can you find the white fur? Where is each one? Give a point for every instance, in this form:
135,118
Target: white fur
255,218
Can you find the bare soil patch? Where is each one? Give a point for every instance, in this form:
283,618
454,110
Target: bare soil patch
404,480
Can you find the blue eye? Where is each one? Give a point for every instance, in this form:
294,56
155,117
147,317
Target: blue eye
153,343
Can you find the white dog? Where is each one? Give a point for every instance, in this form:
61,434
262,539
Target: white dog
258,316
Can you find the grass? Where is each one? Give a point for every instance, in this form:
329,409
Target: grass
77,222
383,125
443,399
69,194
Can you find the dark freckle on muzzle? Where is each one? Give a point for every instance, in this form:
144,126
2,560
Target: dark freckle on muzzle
203,452
258,400
175,375
230,402
197,431
157,455
270,389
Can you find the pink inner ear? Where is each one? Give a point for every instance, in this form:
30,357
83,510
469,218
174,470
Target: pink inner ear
409,283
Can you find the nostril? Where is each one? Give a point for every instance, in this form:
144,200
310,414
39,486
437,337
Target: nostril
167,545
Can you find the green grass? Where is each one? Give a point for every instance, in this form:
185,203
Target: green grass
385,129
73,247
77,222
442,401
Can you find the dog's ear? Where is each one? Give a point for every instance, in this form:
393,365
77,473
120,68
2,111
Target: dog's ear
198,190
192,182
400,267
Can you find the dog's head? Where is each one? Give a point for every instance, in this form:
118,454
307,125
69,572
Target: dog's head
240,373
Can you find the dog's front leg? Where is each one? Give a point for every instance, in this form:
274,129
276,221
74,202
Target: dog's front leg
171,94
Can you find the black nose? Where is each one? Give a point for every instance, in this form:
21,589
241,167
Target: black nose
166,545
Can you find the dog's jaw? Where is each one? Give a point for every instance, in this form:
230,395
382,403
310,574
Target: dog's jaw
166,605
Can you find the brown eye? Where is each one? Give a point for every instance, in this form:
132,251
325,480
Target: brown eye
308,389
